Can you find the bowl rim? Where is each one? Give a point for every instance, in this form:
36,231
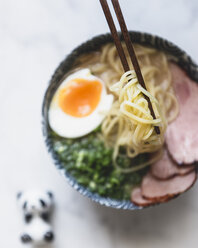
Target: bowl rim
178,55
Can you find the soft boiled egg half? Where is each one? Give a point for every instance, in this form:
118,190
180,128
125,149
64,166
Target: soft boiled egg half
79,105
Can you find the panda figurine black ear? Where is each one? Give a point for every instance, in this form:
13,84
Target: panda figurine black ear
50,194
19,194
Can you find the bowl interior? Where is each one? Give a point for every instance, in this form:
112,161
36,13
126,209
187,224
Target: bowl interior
177,55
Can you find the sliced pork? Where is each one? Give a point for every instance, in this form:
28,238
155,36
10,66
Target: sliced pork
163,190
137,198
165,168
182,134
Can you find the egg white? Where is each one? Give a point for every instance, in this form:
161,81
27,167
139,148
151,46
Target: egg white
72,127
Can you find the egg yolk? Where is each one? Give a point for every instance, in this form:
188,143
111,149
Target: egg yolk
80,97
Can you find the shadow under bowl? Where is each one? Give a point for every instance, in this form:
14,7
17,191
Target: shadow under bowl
178,56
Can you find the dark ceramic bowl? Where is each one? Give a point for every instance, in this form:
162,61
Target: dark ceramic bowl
177,54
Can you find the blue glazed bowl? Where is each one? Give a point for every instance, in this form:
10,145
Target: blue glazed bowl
178,56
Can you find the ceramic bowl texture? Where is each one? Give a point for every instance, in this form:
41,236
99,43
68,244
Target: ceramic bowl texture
178,55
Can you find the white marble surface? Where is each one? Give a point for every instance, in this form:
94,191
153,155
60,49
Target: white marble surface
35,36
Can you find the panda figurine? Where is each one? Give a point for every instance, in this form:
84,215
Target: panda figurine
36,208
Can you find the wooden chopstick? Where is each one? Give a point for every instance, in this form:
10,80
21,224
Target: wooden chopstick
129,46
115,36
132,55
